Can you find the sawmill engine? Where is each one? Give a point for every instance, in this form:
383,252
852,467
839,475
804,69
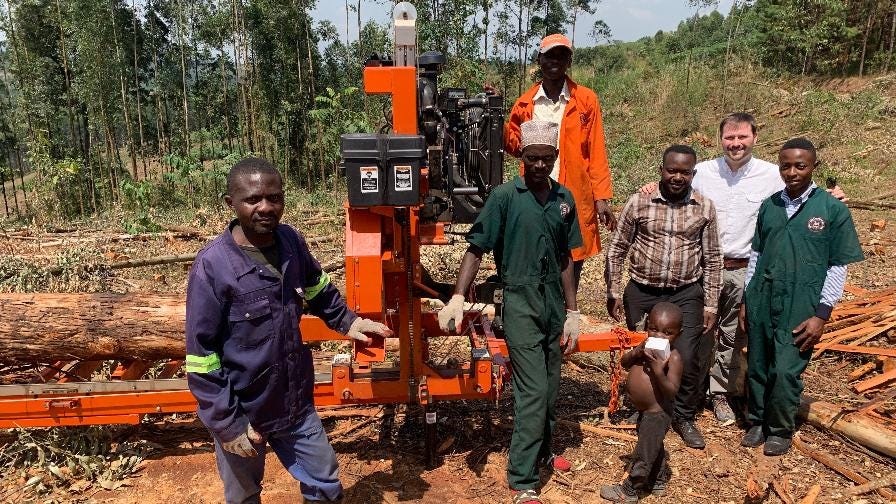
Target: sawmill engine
454,161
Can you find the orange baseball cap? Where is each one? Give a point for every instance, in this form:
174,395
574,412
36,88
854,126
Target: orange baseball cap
552,41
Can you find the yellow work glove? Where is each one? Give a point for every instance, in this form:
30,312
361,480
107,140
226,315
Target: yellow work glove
571,331
454,310
362,325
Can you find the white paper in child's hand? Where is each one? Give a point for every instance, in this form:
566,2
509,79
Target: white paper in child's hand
659,347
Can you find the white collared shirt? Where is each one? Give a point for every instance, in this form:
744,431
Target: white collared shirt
737,197
547,109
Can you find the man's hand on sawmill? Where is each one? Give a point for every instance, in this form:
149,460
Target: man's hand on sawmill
807,334
605,214
648,188
614,308
454,310
570,338
242,445
363,325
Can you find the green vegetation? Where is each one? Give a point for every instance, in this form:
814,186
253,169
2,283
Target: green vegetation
136,109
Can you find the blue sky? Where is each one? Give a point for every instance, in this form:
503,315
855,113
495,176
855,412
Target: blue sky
628,20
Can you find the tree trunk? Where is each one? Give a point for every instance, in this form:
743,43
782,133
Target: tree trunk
242,117
857,427
360,42
226,101
125,103
50,327
865,40
21,167
183,77
12,177
308,45
137,92
892,37
731,32
161,143
22,88
3,184
519,47
68,83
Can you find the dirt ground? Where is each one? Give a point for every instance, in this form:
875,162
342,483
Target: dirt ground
382,459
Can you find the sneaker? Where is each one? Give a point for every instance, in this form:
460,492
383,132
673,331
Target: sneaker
689,433
619,492
721,408
559,463
776,446
529,496
659,488
753,438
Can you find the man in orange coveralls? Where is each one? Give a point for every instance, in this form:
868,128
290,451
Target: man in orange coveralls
582,165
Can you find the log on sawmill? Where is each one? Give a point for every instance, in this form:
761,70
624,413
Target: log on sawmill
855,426
40,327
51,327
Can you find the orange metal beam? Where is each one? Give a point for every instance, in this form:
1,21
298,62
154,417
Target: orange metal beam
401,84
89,409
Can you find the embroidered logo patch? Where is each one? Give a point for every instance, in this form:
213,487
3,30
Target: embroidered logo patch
816,224
564,209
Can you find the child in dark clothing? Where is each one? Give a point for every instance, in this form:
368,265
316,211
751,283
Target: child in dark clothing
652,384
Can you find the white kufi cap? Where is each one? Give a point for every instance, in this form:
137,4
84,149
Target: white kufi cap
538,132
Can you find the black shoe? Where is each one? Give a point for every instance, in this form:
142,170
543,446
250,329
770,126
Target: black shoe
754,437
659,488
620,492
776,446
689,433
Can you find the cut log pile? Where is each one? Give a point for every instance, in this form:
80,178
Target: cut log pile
863,331
866,325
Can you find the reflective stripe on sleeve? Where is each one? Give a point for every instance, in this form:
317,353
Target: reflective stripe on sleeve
313,291
203,363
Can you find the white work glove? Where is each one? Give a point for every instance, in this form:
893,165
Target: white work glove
570,331
454,310
242,445
362,325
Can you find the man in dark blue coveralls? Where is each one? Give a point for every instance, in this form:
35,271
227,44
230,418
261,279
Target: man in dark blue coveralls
246,364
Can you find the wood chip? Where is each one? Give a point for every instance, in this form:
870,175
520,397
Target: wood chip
811,495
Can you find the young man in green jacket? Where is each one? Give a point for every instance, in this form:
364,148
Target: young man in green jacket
804,239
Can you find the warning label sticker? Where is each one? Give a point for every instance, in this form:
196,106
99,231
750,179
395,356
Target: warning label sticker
403,181
370,179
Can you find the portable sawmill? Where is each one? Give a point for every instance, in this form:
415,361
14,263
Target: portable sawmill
433,165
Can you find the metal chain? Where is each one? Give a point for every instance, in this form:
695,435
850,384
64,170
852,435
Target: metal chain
624,340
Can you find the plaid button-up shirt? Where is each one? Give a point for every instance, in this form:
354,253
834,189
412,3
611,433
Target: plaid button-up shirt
670,244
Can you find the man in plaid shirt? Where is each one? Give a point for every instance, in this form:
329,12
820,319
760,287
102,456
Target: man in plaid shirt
672,239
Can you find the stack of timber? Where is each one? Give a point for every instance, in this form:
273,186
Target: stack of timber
862,333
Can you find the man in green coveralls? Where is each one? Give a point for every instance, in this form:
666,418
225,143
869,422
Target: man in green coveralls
804,239
531,224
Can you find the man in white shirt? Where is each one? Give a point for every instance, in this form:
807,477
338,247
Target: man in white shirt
737,183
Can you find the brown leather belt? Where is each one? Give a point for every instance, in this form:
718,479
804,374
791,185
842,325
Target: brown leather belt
733,263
